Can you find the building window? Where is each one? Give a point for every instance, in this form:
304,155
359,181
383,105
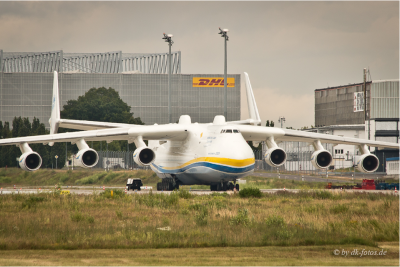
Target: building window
341,151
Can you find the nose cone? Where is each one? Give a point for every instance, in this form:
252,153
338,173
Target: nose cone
235,147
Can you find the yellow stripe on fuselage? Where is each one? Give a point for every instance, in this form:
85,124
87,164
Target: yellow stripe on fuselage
222,161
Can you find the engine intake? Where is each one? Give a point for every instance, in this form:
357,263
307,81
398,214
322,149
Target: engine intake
30,161
275,157
144,156
321,159
368,163
87,158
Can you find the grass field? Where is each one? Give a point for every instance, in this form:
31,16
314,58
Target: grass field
53,221
228,256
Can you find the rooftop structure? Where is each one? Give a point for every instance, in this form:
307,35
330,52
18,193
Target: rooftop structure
108,62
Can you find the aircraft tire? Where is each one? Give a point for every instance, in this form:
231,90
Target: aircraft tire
219,187
225,186
231,186
237,187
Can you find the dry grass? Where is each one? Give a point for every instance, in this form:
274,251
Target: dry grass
228,256
51,221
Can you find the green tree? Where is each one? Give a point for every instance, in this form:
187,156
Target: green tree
100,104
23,127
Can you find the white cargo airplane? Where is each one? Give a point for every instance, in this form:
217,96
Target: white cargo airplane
187,153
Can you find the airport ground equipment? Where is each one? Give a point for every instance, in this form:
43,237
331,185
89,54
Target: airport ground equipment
367,184
134,184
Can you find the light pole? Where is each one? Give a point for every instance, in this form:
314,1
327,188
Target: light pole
168,39
354,159
281,120
224,34
66,155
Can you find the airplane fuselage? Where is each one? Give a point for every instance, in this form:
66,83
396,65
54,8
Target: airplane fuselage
210,154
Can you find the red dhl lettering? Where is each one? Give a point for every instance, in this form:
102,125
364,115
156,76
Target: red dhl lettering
212,82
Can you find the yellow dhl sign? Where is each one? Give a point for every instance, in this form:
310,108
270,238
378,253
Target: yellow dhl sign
212,82
65,192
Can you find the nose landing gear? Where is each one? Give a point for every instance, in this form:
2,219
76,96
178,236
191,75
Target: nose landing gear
168,184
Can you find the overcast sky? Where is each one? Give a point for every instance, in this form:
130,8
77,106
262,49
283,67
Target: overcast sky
289,49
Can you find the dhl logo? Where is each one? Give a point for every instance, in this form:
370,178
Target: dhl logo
212,82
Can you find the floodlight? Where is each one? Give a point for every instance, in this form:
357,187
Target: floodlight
225,30
169,35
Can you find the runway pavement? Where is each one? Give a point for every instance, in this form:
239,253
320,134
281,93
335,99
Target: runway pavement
305,177
86,191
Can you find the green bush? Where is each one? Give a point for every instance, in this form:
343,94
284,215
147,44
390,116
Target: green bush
31,201
250,192
184,194
201,217
119,214
242,218
77,217
90,219
274,220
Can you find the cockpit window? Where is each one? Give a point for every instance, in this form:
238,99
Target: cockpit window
235,131
228,131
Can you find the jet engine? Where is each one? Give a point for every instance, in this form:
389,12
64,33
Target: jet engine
275,156
87,158
30,161
368,163
321,159
144,156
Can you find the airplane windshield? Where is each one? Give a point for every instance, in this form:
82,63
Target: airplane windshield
228,131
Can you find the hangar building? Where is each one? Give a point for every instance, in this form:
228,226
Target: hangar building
26,82
340,111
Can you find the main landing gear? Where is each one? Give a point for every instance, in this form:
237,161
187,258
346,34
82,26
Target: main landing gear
167,184
224,186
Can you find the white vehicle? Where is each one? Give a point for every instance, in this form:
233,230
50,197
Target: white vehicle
187,153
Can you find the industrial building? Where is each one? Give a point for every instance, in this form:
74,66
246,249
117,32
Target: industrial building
26,82
344,111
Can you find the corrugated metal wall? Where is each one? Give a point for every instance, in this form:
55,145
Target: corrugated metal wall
29,95
385,100
334,106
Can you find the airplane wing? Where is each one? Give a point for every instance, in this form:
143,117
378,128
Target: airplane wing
174,132
259,133
92,125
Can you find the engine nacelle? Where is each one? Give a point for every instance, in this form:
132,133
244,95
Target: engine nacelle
144,156
30,161
275,157
87,158
368,163
321,159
